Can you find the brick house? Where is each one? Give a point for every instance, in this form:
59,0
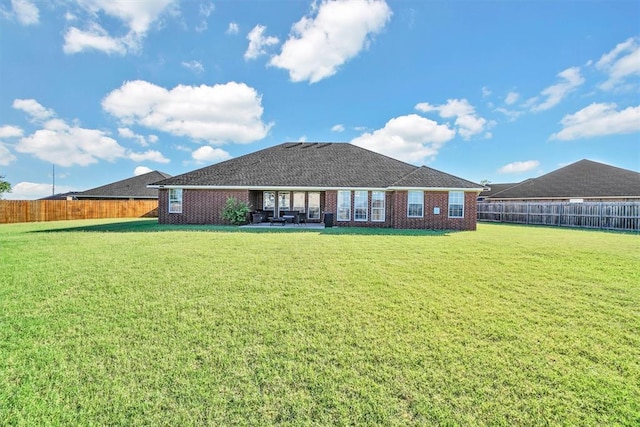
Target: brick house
582,181
356,186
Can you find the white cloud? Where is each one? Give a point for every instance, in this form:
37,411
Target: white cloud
96,38
485,91
319,45
150,155
468,122
141,170
207,154
233,28
337,128
599,119
519,167
137,16
218,114
410,138
6,157
33,190
9,131
33,108
554,94
128,133
65,145
622,62
195,66
511,114
26,12
258,42
205,11
511,98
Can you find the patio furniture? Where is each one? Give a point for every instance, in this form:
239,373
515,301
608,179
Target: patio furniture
278,219
300,218
257,218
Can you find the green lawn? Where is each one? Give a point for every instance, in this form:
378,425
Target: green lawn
139,324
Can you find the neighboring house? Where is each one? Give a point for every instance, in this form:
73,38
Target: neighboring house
135,188
62,196
356,186
583,181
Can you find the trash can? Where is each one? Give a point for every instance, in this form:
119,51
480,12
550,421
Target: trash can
328,219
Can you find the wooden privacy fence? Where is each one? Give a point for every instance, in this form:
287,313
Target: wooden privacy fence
601,215
56,210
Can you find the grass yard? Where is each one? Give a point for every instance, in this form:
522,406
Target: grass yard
133,323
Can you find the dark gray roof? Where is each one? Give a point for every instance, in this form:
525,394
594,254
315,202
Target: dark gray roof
61,196
583,179
434,178
317,165
130,188
491,189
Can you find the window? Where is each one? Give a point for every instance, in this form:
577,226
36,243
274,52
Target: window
456,204
284,200
268,200
314,206
298,202
175,200
360,205
377,206
344,206
415,205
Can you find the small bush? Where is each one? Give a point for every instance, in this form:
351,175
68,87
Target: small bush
235,211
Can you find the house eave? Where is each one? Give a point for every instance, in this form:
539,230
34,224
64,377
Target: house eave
309,188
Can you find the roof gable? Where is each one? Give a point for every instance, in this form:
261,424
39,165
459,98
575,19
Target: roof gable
135,187
582,179
312,165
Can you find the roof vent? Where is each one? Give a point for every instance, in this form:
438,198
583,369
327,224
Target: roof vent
324,145
309,145
294,145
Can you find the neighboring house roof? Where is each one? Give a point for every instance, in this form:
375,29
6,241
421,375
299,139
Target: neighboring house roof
130,188
583,179
316,165
61,196
491,189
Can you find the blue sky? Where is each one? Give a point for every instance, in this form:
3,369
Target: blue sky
496,90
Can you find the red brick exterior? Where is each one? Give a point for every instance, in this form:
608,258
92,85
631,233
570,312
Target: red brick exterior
205,207
198,206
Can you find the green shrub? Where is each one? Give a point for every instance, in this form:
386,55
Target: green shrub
235,211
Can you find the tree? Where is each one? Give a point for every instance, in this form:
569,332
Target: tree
485,182
5,187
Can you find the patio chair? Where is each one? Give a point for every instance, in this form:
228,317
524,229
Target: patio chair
300,218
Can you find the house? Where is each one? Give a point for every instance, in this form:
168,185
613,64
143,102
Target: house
135,188
583,181
351,185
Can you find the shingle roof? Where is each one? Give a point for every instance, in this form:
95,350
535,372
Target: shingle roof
317,165
130,188
583,179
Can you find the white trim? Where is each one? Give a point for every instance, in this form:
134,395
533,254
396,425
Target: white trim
338,207
409,203
384,207
299,188
449,204
366,206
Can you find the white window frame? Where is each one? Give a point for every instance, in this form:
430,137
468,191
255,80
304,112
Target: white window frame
456,199
360,205
298,201
282,205
268,196
420,195
378,196
344,196
175,200
313,208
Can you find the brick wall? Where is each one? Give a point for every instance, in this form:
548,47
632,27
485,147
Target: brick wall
431,221
198,206
205,207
